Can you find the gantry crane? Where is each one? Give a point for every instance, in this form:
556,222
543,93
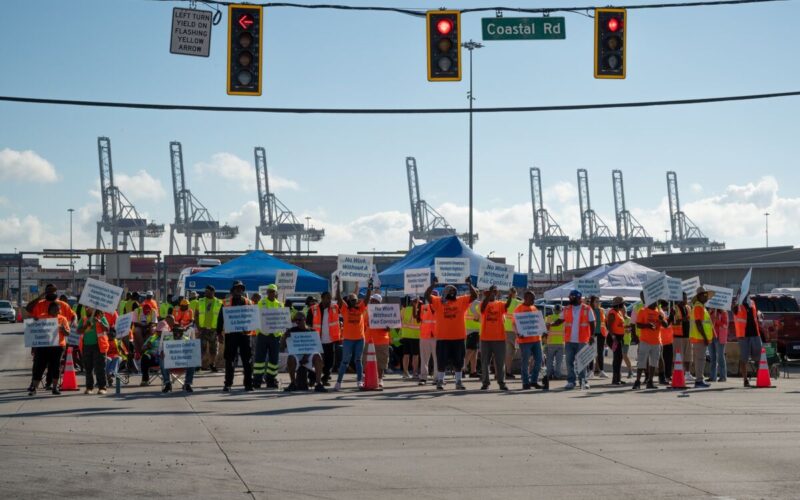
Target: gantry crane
632,237
276,220
191,217
595,237
119,217
686,236
427,224
547,234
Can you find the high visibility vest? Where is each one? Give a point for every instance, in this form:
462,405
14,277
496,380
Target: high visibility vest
601,317
208,313
265,303
183,318
122,304
555,334
100,328
617,322
410,326
740,319
334,330
140,317
695,336
427,326
163,309
472,318
584,327
508,318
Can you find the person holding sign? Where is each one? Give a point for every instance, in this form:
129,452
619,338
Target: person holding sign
50,357
311,362
353,335
380,338
40,306
615,322
177,334
530,345
493,336
578,320
648,323
324,319
680,318
410,337
265,362
701,333
427,338
208,311
748,335
451,331
94,346
236,343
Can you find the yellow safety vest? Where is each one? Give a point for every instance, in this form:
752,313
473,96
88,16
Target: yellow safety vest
708,326
265,303
508,320
555,334
474,311
410,325
208,312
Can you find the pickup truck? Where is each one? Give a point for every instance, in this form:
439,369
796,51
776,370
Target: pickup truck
780,321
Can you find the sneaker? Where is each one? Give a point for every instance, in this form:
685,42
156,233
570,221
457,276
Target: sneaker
602,374
689,377
662,380
701,385
485,387
651,385
422,382
214,369
439,386
272,384
503,387
510,376
31,390
101,391
636,386
326,383
721,379
187,388
406,376
525,387
585,386
536,386
88,391
460,387
56,390
48,386
226,388
337,387
569,386
320,388
380,383
167,387
630,375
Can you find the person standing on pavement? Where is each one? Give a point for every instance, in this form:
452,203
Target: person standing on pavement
716,351
530,346
410,335
493,336
50,357
667,341
555,344
208,311
599,333
680,318
615,322
324,318
380,338
40,306
578,320
268,344
748,335
511,336
427,338
94,346
352,311
236,343
472,323
701,333
451,331
648,324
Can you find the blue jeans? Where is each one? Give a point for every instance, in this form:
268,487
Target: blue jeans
526,350
572,349
188,380
351,351
717,353
112,366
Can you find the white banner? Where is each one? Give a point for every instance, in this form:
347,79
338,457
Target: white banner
499,275
722,299
745,289
354,267
451,269
530,324
690,286
99,295
376,280
655,289
384,315
241,318
123,326
181,354
41,333
74,338
286,279
588,287
674,289
585,356
416,281
299,343
275,319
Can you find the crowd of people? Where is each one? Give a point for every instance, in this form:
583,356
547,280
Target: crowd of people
472,334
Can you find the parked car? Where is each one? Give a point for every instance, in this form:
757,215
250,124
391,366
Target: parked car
780,322
7,312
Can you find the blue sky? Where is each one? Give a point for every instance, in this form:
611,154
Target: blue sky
734,160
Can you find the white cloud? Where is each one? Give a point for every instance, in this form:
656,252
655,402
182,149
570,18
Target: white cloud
30,233
25,165
231,168
3,201
139,186
696,188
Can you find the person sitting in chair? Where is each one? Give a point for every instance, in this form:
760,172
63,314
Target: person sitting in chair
151,349
311,362
177,334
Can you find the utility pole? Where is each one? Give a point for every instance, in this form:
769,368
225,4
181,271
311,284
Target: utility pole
519,261
71,262
470,45
766,227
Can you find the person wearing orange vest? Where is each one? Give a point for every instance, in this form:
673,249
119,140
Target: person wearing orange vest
493,336
578,319
183,315
665,363
50,357
716,351
701,333
615,323
529,346
600,334
680,317
451,331
648,323
352,311
748,335
427,338
39,307
94,346
380,338
324,318
236,343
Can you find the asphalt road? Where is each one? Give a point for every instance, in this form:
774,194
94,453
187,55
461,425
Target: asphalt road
412,442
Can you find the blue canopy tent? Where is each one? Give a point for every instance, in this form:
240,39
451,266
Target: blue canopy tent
425,256
253,269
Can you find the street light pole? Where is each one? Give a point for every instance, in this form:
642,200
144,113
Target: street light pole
71,262
766,227
470,45
519,261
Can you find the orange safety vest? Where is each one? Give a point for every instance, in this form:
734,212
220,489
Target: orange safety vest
584,328
740,319
427,326
183,318
617,323
333,321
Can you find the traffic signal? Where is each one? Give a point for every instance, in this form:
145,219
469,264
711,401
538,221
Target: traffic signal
610,30
444,45
244,50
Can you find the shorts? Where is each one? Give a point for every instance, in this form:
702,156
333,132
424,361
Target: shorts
381,355
625,349
410,347
309,364
511,339
449,353
648,352
473,340
750,347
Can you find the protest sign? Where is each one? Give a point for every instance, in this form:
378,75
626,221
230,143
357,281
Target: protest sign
585,356
286,280
745,289
241,318
384,315
722,299
41,333
451,269
354,267
74,339
674,289
416,281
275,319
334,276
588,286
123,326
690,286
181,354
99,295
655,288
299,343
376,280
530,324
499,275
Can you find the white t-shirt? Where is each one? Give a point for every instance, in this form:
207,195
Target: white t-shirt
574,334
325,328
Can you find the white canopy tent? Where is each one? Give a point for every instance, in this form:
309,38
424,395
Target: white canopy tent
624,280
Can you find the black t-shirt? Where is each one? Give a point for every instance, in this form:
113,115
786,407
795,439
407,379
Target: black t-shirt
751,330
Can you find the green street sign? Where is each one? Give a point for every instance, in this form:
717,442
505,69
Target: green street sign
524,28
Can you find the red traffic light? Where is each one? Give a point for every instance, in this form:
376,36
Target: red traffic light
614,24
444,26
245,21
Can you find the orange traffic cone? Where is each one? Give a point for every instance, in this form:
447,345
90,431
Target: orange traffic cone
371,370
70,381
678,376
762,379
